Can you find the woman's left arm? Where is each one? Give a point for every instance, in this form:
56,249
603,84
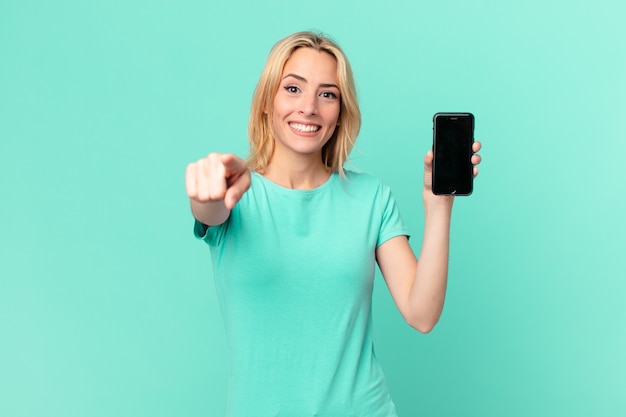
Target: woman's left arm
419,287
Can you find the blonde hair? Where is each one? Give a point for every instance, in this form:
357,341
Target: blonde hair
260,130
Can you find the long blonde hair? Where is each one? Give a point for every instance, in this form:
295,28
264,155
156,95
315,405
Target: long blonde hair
260,131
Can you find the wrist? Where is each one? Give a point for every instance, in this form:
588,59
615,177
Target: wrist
437,204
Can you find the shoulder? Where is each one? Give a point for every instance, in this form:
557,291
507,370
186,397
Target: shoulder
363,182
361,178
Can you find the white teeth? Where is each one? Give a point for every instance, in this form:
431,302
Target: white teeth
304,128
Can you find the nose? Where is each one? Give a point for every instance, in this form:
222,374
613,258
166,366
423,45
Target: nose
308,105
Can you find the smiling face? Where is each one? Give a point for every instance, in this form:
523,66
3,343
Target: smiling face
307,104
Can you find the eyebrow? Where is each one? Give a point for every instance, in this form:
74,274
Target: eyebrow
304,80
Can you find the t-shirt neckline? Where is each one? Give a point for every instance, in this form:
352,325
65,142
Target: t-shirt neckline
294,191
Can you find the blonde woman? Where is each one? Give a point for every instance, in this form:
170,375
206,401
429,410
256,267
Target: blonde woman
294,239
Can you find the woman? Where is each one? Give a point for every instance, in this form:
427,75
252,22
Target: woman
294,238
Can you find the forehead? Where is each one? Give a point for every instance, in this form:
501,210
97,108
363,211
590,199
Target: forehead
308,61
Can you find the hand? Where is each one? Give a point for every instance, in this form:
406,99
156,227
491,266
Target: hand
428,169
218,177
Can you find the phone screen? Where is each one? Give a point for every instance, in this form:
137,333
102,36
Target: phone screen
453,136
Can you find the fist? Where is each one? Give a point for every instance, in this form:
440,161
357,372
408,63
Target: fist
218,177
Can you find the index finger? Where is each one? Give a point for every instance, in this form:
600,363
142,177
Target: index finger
233,164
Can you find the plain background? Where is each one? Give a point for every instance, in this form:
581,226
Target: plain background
107,305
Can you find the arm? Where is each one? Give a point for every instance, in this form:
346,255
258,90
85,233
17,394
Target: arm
419,288
215,184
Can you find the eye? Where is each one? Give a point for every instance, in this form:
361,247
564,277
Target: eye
329,95
292,89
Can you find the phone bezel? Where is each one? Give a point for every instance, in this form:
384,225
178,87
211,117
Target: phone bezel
467,186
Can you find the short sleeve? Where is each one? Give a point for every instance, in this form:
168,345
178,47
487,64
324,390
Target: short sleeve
392,224
212,235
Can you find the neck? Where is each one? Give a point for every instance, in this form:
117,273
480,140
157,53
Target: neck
299,173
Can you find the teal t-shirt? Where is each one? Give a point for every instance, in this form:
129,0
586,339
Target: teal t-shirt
294,272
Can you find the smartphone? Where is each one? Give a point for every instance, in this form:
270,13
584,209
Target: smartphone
453,136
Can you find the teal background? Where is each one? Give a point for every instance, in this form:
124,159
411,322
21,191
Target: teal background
107,306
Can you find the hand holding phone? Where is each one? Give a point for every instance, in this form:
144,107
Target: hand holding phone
453,137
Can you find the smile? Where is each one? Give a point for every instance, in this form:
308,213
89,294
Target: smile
304,128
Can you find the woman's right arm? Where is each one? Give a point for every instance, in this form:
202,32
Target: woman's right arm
215,184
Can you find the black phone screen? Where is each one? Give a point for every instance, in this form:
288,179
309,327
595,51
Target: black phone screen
453,136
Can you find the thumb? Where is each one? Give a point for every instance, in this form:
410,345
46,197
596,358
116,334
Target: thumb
428,161
236,189
428,169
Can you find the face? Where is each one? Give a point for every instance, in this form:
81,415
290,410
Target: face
307,103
